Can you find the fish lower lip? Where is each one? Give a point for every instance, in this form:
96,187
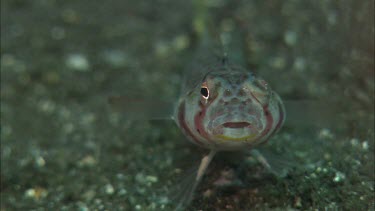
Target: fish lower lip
236,124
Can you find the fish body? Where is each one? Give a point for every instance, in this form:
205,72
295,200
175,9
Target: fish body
229,109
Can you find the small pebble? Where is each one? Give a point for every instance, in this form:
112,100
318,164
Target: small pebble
208,193
36,193
142,179
163,200
77,62
89,195
120,176
290,38
298,202
339,176
151,178
161,48
325,134
278,62
88,119
68,128
138,207
47,106
354,142
180,42
115,58
40,162
365,145
88,161
109,189
299,64
122,191
82,206
327,156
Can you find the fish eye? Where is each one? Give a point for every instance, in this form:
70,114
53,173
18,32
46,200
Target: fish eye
205,92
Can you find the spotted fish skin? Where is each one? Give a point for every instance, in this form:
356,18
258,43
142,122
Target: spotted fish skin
230,109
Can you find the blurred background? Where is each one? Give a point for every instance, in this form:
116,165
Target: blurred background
62,148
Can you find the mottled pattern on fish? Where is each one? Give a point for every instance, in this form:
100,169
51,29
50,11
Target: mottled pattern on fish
230,109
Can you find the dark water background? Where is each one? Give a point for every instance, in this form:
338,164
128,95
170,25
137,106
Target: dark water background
62,148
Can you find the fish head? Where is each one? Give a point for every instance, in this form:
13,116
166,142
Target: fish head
232,109
233,104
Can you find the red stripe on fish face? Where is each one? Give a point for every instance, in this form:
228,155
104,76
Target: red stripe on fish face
198,121
184,126
199,117
269,122
281,119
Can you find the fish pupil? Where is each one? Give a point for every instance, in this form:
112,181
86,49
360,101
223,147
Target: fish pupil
204,92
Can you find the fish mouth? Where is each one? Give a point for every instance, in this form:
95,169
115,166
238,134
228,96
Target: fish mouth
236,124
237,129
